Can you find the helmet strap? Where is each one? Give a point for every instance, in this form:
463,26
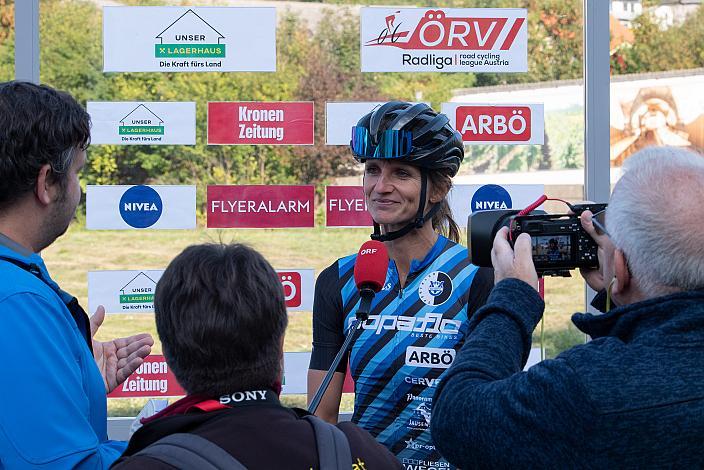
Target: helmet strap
419,219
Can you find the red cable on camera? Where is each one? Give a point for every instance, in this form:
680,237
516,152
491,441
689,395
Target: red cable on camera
530,208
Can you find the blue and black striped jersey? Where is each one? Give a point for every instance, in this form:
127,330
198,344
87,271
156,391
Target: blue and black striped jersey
400,353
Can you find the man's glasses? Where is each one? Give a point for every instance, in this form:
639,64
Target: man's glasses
599,222
392,143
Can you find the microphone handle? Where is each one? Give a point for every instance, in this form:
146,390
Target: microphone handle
367,295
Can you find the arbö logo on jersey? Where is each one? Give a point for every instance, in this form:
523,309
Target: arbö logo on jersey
291,282
140,206
494,123
435,288
432,358
491,196
431,323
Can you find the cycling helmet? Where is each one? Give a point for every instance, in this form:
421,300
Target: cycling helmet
412,134
423,137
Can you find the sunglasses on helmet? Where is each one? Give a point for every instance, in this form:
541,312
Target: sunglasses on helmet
391,144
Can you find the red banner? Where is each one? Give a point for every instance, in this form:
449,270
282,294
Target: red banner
269,123
260,206
152,379
494,123
345,207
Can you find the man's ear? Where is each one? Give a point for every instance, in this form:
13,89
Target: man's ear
45,189
621,272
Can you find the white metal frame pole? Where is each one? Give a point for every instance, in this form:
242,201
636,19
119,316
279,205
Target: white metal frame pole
597,81
27,40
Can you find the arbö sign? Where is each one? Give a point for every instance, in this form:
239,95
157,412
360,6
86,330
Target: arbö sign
497,124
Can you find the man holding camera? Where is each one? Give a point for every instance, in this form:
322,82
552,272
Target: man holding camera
630,397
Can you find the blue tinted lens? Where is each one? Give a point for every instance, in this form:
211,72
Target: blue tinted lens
392,143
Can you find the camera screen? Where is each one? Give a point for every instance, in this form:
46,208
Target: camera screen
552,248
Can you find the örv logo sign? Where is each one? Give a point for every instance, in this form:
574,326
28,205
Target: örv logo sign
494,123
433,358
140,206
491,196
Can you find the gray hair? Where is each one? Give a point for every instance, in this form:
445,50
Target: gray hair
654,217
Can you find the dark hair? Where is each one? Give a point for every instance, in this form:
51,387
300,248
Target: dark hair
38,125
221,317
443,222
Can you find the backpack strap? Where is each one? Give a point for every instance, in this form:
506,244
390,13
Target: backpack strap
333,447
190,451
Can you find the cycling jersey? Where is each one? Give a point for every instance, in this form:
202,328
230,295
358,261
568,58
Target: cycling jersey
400,353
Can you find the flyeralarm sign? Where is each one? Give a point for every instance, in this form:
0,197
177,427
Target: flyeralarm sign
260,206
345,207
251,123
444,40
497,124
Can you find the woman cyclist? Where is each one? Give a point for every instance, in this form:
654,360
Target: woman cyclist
419,319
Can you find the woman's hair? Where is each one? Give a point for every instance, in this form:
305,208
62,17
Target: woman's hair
443,222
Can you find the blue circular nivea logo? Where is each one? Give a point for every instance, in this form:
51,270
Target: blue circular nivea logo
491,197
140,206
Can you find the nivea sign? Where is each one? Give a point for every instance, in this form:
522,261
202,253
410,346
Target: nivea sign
491,197
140,206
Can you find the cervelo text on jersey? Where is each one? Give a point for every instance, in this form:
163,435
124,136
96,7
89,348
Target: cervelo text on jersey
433,358
430,323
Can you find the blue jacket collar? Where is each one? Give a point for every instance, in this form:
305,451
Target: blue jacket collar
685,309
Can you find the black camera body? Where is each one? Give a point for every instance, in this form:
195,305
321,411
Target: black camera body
559,242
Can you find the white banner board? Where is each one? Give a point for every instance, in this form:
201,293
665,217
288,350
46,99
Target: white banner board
142,123
123,291
183,39
340,117
467,198
299,287
139,207
133,291
444,40
508,124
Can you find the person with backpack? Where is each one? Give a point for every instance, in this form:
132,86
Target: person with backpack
221,317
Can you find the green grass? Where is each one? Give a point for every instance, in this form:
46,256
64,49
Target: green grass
79,251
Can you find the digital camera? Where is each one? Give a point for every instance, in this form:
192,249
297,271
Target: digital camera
559,242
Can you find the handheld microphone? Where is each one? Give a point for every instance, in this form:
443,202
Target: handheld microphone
370,274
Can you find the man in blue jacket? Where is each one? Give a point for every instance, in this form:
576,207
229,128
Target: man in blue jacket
633,396
54,376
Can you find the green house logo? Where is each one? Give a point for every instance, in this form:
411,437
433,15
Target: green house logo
141,121
140,290
190,36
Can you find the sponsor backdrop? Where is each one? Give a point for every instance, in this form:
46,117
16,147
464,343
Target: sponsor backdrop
341,117
138,207
271,123
467,198
142,123
133,291
155,379
181,39
260,206
444,40
497,124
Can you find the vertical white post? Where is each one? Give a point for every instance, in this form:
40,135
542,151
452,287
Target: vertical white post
597,184
27,40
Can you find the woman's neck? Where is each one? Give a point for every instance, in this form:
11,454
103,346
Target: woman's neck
414,245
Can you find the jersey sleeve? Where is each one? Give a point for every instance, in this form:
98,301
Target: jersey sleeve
479,292
328,321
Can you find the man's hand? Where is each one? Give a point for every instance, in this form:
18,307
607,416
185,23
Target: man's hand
118,358
513,263
598,279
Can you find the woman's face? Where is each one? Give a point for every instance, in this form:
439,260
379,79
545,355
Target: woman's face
392,191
